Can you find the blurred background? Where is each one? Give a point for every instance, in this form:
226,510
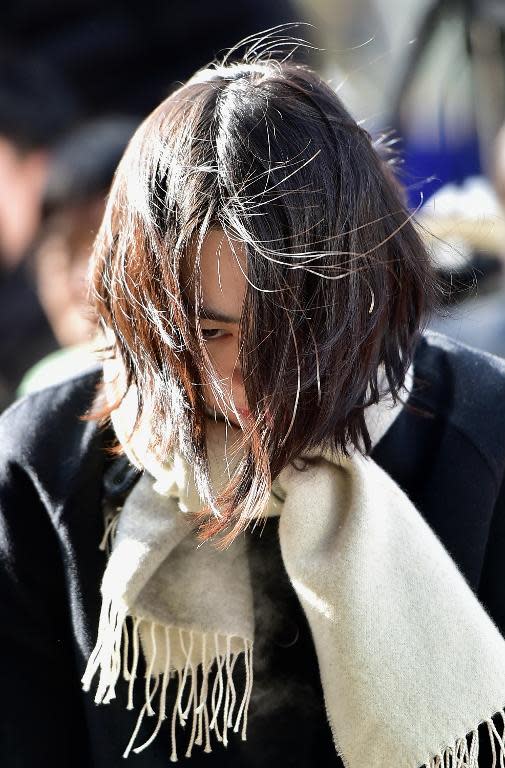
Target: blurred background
77,77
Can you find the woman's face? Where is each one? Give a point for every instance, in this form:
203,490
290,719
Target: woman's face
222,272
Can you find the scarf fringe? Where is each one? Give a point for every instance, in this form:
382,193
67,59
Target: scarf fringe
195,706
464,753
207,708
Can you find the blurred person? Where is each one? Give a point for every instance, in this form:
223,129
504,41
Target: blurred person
73,205
467,228
116,57
36,108
277,537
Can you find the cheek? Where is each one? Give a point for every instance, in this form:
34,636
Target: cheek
224,357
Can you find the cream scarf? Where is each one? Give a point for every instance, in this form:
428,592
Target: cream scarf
409,660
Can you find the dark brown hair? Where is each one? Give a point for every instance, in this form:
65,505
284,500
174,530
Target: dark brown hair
339,280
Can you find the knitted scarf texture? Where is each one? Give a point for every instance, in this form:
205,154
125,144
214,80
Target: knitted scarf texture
410,662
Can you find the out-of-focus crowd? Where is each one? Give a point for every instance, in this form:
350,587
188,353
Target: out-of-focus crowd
75,81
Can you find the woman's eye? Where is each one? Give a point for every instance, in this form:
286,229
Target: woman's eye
209,334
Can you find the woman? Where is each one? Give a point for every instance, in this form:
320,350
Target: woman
269,595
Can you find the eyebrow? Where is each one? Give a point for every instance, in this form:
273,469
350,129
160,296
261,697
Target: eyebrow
212,314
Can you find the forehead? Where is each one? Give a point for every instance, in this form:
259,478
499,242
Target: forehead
223,264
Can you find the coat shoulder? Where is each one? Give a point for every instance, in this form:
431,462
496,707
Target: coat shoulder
470,392
48,428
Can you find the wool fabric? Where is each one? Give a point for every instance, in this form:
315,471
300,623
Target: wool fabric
410,662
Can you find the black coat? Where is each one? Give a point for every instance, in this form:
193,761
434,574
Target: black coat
446,450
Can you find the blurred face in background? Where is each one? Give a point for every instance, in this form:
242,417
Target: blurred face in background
22,178
61,264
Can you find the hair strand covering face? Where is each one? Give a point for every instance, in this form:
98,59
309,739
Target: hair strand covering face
338,280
